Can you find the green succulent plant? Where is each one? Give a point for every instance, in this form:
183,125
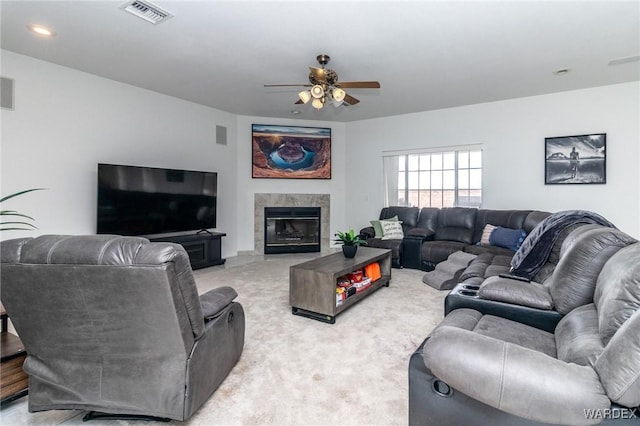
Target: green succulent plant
16,225
349,238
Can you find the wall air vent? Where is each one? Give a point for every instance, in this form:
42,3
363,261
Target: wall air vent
147,11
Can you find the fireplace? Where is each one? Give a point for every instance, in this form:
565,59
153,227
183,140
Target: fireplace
291,230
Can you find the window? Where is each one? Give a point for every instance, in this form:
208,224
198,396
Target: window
434,179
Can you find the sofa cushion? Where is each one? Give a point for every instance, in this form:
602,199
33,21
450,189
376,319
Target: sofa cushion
428,218
454,233
516,292
408,215
462,217
514,332
507,238
533,219
577,337
485,265
391,229
437,251
512,378
394,245
580,264
377,228
456,224
617,294
619,364
486,234
493,250
513,219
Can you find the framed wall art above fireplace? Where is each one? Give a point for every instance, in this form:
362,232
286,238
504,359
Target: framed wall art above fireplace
576,159
290,152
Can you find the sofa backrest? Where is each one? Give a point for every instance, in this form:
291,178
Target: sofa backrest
533,219
573,281
567,234
617,300
408,215
617,293
513,219
456,224
428,218
149,288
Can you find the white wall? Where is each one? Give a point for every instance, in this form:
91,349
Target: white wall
335,187
66,121
512,133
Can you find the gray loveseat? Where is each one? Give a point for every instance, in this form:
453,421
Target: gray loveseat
115,325
484,369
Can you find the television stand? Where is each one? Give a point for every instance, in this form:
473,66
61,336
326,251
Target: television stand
204,249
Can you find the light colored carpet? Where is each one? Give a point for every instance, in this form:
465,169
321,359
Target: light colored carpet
298,371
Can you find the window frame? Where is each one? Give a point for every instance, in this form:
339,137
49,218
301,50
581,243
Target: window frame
403,175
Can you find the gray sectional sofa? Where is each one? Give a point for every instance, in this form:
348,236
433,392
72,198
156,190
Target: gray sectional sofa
432,234
565,350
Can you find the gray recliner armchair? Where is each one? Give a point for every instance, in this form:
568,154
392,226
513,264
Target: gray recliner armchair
115,325
485,370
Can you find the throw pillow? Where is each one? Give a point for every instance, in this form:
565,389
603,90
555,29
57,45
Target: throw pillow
507,238
377,228
486,234
391,229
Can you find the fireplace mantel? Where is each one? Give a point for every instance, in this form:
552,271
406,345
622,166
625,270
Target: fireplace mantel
290,200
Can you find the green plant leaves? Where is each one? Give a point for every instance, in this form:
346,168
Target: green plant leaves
13,225
349,238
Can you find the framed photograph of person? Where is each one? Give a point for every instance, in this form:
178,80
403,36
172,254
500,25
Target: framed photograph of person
575,159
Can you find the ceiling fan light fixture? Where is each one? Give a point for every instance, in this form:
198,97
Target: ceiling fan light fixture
338,94
305,96
317,91
317,103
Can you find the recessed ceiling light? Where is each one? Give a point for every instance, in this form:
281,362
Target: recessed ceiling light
296,112
562,71
41,30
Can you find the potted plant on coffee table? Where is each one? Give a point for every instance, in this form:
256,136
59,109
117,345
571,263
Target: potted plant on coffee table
350,242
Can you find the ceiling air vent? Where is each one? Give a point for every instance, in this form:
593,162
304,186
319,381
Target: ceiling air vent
147,11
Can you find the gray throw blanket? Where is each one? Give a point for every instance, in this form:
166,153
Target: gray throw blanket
535,249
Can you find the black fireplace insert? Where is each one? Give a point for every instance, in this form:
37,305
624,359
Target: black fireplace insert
291,230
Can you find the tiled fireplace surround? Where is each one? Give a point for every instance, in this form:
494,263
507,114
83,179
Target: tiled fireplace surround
290,200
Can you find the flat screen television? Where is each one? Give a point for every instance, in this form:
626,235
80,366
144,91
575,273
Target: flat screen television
148,201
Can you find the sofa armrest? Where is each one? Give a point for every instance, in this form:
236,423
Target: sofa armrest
514,379
516,292
422,233
214,301
366,233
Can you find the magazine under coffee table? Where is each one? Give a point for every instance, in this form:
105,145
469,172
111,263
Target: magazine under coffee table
312,284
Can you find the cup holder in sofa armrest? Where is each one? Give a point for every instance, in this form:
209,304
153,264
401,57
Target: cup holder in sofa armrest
468,293
471,287
539,318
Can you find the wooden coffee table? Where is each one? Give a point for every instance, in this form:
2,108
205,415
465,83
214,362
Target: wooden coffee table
312,284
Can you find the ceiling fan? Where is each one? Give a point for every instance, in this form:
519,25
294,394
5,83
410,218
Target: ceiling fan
325,86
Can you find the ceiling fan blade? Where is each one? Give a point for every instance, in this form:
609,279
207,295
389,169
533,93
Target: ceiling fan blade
350,100
318,74
298,102
358,84
286,85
